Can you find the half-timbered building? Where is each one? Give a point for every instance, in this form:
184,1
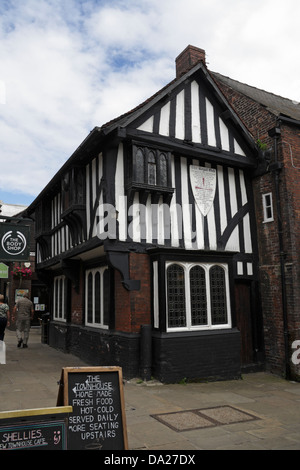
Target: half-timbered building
147,238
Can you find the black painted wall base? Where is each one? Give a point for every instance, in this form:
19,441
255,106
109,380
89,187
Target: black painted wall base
206,355
213,355
98,348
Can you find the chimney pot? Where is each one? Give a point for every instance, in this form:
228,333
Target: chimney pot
188,58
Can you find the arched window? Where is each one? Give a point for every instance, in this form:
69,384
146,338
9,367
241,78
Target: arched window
59,298
218,295
56,298
97,290
176,296
90,298
106,296
163,170
198,296
140,166
97,297
151,168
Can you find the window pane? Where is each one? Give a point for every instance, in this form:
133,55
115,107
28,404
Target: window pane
269,212
60,301
139,159
105,297
97,298
218,295
90,299
163,170
151,168
176,296
198,296
56,297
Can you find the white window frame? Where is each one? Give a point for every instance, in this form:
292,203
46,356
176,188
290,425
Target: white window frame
59,315
209,326
94,271
267,206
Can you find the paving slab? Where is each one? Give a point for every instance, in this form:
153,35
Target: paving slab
259,412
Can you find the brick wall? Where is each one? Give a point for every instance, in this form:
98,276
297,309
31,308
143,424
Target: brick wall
133,308
77,303
290,155
259,120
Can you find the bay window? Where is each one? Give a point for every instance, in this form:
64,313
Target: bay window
197,296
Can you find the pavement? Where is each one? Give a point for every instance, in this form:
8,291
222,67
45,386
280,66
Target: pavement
260,411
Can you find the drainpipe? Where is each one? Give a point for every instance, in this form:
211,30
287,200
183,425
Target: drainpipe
276,168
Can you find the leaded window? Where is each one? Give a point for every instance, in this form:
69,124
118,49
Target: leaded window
163,169
151,177
140,166
218,295
176,296
151,167
197,296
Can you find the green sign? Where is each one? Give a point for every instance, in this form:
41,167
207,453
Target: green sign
14,242
3,271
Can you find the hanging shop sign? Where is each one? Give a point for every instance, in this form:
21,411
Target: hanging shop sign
14,242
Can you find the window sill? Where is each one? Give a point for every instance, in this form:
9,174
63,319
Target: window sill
96,327
148,189
267,221
181,333
195,329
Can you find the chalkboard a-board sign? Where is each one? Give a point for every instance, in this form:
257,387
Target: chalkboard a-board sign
98,419
38,429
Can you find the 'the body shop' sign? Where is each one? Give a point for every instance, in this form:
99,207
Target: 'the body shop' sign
14,242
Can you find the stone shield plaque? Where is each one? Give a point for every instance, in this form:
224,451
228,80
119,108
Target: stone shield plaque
203,182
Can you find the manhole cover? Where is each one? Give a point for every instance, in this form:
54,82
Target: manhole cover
202,418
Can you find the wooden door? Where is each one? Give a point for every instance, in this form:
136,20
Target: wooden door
243,320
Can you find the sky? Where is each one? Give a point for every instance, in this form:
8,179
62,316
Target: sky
67,66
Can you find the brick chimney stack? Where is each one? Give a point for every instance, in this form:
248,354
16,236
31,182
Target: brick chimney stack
188,58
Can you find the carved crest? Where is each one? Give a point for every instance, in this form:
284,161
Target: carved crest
203,182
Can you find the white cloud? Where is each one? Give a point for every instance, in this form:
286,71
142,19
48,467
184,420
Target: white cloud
67,66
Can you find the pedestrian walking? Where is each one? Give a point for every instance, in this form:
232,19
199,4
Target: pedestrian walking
4,317
23,312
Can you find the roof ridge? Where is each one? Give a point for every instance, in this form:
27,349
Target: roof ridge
294,102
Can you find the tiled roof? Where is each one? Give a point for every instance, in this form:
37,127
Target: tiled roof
274,103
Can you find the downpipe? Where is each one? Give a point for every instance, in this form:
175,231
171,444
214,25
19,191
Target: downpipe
276,168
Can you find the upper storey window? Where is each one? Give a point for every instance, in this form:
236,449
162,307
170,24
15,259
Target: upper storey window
151,166
150,170
268,207
73,190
